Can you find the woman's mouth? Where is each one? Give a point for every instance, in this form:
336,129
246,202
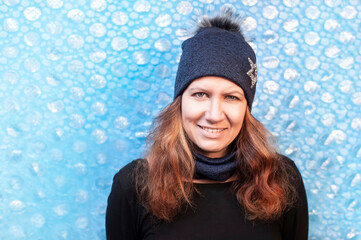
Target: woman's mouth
212,130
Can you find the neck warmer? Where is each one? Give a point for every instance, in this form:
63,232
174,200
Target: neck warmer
219,169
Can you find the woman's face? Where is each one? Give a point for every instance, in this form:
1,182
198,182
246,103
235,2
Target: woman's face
213,110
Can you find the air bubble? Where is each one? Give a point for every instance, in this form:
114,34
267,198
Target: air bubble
270,37
32,91
101,158
76,121
349,12
11,105
31,65
163,20
32,39
270,12
337,136
249,24
346,63
32,13
11,77
37,220
346,37
312,38
11,2
54,79
81,196
99,108
98,5
312,12
80,169
332,3
328,119
291,3
11,25
184,8
141,33
271,62
61,209
56,155
55,3
291,25
119,18
346,86
162,71
270,87
141,6
291,74
119,43
76,93
311,86
141,57
249,2
356,124
119,69
121,122
100,136
98,81
55,106
162,45
76,67
332,51
76,15
97,56
327,98
291,49
34,118
331,25
356,98
97,30
54,27
53,53
141,85
309,107
312,63
10,52
17,206
17,232
75,41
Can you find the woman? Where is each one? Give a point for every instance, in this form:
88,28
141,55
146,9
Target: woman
210,170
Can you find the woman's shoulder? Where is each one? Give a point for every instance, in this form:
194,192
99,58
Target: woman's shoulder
125,177
289,163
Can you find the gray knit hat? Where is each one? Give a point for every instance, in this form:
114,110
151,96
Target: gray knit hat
214,51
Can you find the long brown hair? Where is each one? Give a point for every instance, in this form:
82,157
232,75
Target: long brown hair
164,181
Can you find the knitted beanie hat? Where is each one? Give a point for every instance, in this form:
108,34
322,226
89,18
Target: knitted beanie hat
214,51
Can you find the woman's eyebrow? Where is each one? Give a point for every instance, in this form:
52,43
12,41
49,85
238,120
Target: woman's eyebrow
197,89
235,92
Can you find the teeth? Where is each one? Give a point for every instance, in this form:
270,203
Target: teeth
212,130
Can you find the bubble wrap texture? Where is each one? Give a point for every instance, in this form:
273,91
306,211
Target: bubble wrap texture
81,81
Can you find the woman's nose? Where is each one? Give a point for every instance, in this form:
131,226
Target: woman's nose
215,112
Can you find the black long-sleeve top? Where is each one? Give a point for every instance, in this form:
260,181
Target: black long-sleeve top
217,216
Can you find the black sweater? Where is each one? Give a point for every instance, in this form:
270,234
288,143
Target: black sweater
217,215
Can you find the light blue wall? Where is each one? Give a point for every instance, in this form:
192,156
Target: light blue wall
80,82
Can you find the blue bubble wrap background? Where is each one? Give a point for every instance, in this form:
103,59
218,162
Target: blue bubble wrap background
81,81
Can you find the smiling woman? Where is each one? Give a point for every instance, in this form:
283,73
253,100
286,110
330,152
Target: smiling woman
210,171
216,114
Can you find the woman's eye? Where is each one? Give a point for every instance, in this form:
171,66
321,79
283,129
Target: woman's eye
230,97
200,94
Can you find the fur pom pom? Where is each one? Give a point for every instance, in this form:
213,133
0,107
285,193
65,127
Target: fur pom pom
227,19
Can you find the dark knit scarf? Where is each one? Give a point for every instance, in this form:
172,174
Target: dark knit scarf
219,169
